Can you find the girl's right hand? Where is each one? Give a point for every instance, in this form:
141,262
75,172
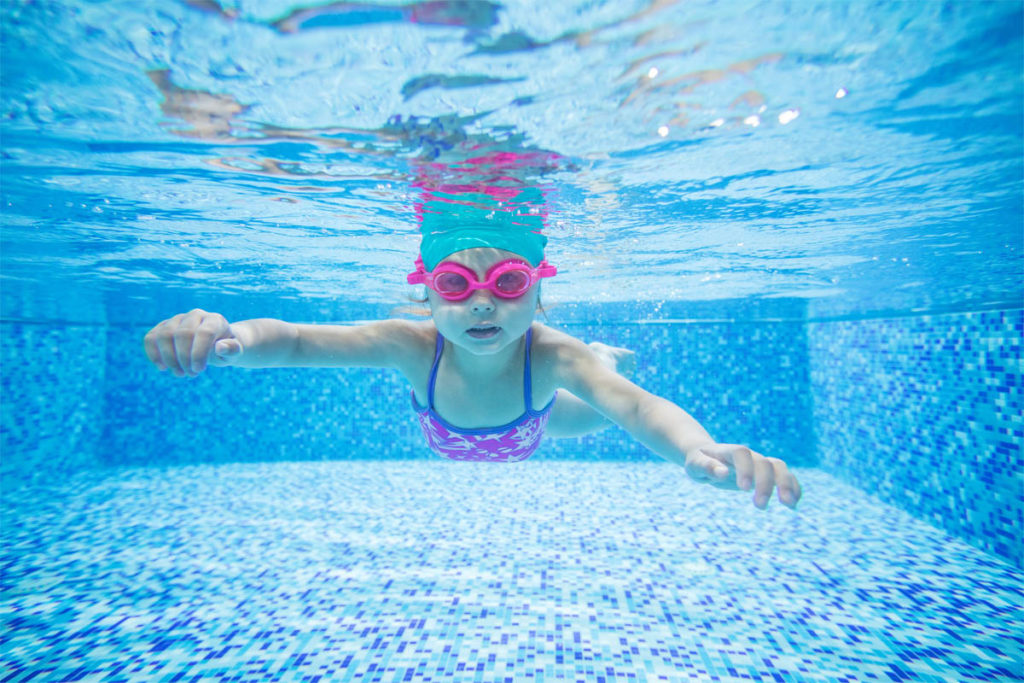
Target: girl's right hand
188,342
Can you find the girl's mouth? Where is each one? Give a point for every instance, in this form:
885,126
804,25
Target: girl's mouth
483,331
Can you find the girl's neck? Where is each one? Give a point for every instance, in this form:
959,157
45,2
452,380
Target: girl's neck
484,367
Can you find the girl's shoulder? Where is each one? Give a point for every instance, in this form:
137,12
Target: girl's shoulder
419,330
413,336
551,347
562,360
417,341
544,336
559,359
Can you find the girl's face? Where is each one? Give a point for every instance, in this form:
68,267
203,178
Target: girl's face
483,323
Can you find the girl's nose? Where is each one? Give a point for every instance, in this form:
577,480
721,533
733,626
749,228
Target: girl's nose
481,302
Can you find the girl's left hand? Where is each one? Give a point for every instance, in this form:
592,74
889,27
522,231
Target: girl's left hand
729,466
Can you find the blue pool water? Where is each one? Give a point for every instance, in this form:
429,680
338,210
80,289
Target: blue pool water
805,218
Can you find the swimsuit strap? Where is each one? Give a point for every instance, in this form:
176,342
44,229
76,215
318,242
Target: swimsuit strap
527,382
433,371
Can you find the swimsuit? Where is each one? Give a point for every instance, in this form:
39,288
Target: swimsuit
511,442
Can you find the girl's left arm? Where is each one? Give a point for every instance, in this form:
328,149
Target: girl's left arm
668,430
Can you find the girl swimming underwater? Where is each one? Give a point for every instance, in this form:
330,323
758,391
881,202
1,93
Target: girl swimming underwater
488,381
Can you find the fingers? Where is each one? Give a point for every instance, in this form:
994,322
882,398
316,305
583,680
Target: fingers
182,344
150,343
786,484
754,471
159,344
700,465
204,340
224,349
764,481
183,336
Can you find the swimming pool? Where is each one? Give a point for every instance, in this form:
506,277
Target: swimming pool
805,218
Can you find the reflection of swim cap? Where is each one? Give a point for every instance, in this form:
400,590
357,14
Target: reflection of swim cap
453,222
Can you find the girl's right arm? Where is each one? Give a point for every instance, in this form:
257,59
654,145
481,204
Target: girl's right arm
188,342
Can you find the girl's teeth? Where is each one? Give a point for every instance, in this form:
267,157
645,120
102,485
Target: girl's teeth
483,331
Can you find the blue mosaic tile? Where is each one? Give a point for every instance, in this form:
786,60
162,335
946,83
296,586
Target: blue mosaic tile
745,383
438,571
51,400
926,413
923,412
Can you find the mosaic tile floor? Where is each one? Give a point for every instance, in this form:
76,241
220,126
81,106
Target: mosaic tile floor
438,571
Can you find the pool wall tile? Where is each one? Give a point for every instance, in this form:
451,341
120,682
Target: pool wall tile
926,414
745,383
923,412
51,406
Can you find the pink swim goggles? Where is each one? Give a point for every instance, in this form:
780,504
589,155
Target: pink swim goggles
508,279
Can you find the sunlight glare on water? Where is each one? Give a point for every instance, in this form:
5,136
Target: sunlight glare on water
853,158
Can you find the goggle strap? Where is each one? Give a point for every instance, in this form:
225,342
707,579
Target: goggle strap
419,276
545,269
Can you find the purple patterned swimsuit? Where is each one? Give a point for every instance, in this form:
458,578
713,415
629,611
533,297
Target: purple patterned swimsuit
512,442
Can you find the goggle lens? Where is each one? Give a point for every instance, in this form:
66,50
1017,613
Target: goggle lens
450,283
513,282
508,279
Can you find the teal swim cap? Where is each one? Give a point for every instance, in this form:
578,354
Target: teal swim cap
453,222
